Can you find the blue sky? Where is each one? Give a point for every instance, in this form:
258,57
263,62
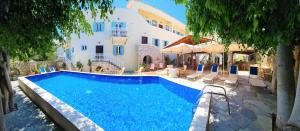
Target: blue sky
167,6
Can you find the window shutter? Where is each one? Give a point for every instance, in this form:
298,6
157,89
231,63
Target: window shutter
153,41
102,27
113,25
123,25
121,50
94,27
158,43
115,49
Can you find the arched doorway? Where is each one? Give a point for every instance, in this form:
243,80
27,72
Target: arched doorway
147,60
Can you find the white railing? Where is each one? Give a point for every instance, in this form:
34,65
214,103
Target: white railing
119,33
110,59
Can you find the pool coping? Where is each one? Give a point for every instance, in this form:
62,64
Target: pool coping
71,119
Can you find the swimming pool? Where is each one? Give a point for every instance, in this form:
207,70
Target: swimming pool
123,102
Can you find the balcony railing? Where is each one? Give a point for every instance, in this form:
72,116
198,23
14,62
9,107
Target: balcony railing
119,33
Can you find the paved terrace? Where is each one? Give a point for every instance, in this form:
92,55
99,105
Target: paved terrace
249,110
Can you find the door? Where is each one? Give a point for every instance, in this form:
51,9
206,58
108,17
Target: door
99,52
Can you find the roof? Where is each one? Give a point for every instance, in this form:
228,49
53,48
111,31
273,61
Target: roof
188,40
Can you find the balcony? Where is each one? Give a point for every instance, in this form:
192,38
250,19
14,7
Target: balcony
119,33
119,36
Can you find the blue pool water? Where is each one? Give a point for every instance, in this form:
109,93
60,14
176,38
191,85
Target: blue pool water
119,103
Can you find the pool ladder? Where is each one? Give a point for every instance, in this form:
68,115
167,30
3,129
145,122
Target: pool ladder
212,93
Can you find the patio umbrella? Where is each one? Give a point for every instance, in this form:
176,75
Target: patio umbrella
181,48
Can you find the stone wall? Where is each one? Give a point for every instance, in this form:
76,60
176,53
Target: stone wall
21,68
152,51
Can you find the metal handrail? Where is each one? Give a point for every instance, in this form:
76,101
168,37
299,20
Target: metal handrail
119,33
215,86
110,59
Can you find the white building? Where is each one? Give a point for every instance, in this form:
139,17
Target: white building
131,36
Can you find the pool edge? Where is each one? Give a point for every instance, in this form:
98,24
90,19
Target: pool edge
61,113
199,122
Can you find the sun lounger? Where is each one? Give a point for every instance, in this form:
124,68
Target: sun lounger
161,65
198,73
183,71
121,72
140,70
43,70
254,78
233,76
51,69
210,78
152,66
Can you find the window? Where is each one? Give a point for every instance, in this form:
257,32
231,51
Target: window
98,27
160,26
148,21
155,42
99,48
174,31
166,43
83,48
154,23
118,25
167,28
144,40
118,50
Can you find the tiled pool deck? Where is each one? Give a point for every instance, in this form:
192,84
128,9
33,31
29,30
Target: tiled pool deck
249,107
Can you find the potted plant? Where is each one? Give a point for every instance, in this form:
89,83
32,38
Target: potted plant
79,65
63,66
90,65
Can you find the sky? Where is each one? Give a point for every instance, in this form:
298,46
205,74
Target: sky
167,6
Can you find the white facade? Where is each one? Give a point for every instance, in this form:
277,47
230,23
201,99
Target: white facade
127,36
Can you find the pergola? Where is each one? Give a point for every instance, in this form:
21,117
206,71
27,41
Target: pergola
209,46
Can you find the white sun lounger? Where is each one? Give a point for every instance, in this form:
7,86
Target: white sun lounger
198,73
254,79
233,76
210,78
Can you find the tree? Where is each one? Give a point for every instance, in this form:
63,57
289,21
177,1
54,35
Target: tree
29,28
264,25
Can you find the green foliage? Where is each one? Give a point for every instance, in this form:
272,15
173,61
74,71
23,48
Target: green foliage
28,28
63,65
167,60
261,24
89,63
79,64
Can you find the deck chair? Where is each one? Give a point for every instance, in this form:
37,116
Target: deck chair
140,70
198,72
183,71
43,70
232,79
254,78
213,75
161,65
51,69
121,72
152,66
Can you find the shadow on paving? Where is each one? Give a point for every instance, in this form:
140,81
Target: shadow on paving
28,117
250,109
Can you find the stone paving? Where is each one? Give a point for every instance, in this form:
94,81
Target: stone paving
28,117
250,109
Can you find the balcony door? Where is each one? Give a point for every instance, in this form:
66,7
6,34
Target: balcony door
99,52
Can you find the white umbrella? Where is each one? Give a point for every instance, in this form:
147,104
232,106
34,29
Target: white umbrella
181,48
